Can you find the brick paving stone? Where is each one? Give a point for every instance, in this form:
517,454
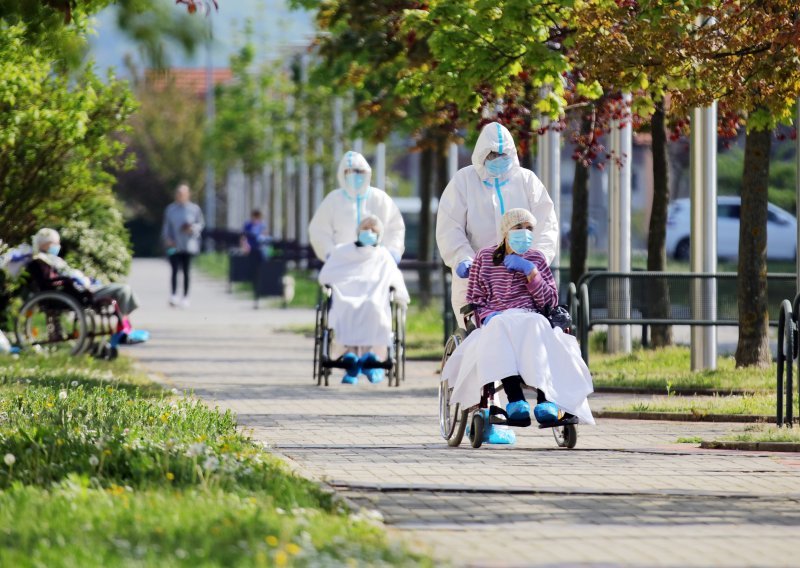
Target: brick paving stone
628,495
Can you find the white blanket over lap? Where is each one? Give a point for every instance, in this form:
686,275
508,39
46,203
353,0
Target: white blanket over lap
360,278
519,342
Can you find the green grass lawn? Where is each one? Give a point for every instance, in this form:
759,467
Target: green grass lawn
100,467
759,404
765,433
670,368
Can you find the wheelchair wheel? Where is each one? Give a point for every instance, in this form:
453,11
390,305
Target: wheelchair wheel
317,344
452,419
566,436
53,321
322,343
476,430
398,371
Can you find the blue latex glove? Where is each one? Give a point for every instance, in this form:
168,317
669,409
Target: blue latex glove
514,262
462,270
490,316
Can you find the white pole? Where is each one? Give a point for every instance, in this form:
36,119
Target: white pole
289,189
619,253
338,129
318,173
210,181
703,233
305,182
380,166
710,231
452,160
553,185
266,176
278,225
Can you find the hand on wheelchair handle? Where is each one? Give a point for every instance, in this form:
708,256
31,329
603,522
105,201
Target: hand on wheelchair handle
514,262
462,270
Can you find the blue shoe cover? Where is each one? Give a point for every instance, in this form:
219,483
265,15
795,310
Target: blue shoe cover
495,435
545,412
138,336
351,364
519,410
374,375
349,380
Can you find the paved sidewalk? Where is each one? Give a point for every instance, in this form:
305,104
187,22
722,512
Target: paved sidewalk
627,495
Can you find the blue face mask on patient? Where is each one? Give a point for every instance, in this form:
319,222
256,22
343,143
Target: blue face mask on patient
367,238
54,249
520,240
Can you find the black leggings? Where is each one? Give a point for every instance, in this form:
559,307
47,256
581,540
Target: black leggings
513,387
180,261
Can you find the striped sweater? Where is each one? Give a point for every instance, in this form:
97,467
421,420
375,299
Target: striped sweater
495,288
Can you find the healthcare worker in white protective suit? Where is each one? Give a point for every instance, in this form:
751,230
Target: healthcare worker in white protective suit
361,274
342,210
474,201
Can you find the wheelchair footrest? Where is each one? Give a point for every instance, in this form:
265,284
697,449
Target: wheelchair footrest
562,422
499,416
338,364
387,365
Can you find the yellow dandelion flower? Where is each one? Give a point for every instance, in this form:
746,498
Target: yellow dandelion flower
281,558
170,476
293,549
271,540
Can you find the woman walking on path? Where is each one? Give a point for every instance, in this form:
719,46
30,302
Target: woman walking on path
183,224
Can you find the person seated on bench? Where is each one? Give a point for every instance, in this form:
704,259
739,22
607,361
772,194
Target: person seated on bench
361,275
46,268
509,285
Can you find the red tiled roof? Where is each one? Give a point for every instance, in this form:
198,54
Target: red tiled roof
188,79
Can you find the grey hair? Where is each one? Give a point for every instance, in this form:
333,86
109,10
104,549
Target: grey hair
374,222
45,235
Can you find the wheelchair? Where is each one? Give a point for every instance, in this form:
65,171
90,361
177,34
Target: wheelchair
395,363
59,316
453,419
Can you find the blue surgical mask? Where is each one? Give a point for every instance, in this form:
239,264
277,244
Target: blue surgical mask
54,249
520,240
499,165
367,238
355,181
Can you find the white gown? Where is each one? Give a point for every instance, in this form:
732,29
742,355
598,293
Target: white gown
360,279
519,342
473,203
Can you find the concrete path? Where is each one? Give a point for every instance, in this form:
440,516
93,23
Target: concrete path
627,495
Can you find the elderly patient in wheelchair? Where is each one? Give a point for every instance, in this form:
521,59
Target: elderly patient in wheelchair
509,287
361,275
48,271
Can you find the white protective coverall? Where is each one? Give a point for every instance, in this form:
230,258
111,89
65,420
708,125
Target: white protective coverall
473,203
360,278
336,220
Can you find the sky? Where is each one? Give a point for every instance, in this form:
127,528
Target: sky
276,28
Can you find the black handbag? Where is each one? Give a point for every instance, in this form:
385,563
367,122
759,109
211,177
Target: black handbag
558,317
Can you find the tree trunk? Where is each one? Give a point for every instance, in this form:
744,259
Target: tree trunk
426,175
526,157
753,346
579,229
657,235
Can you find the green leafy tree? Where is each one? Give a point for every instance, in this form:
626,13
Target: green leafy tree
57,143
60,27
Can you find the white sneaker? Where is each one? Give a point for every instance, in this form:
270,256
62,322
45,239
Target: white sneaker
173,300
185,302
